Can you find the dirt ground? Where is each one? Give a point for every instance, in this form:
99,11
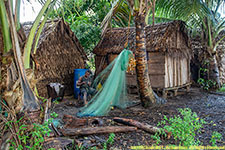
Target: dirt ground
208,106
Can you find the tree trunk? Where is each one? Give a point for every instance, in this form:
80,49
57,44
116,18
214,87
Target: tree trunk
146,93
214,70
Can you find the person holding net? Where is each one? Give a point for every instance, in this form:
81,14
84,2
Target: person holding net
85,86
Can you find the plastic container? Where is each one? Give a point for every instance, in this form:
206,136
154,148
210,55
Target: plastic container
77,74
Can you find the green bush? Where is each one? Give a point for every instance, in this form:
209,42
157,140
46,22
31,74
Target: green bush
30,137
222,89
183,127
215,137
206,84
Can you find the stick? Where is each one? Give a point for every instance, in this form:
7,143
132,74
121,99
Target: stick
46,111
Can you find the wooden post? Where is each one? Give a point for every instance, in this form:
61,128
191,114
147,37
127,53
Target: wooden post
175,92
188,88
164,92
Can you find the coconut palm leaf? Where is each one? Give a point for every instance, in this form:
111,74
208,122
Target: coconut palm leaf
29,100
28,45
106,21
5,27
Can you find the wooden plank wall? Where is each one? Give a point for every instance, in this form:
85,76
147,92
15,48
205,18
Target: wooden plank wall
164,71
177,71
156,69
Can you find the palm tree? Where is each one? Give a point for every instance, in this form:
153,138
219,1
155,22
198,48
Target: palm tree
140,10
9,27
200,15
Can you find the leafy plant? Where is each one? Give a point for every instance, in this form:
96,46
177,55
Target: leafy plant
222,89
29,136
157,135
54,114
110,141
206,84
215,137
84,18
183,127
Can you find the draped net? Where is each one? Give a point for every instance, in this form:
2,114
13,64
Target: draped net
111,87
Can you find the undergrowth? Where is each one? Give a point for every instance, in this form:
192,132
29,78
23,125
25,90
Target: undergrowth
30,137
222,89
183,129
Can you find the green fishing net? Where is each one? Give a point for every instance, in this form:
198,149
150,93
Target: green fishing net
111,88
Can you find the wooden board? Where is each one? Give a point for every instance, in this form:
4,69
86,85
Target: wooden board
184,73
157,81
131,80
156,68
156,57
112,57
175,72
166,79
169,74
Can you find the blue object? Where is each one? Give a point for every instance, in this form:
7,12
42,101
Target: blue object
77,74
1,109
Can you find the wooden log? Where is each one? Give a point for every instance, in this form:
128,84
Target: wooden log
97,130
73,122
144,126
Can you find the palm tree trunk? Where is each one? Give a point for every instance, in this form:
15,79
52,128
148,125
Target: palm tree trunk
214,70
146,93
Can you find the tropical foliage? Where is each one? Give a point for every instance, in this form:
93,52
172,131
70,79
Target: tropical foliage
17,78
84,18
204,19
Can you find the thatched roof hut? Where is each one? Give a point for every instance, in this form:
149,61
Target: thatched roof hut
160,37
167,44
58,54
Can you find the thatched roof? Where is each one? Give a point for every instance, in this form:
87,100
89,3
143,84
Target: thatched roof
170,37
58,54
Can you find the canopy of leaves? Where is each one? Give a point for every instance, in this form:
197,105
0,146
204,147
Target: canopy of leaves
84,18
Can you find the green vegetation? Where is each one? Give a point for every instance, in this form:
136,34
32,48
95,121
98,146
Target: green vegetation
206,84
222,89
109,142
84,18
28,136
183,128
204,80
216,136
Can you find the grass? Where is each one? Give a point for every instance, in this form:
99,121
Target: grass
222,89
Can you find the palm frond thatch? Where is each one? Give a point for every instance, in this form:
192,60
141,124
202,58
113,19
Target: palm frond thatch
170,37
58,54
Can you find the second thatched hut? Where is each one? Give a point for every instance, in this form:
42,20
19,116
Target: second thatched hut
168,53
58,54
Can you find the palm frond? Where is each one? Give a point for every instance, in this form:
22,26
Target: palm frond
106,21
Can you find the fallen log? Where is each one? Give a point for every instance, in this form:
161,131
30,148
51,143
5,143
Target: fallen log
73,122
96,130
144,126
